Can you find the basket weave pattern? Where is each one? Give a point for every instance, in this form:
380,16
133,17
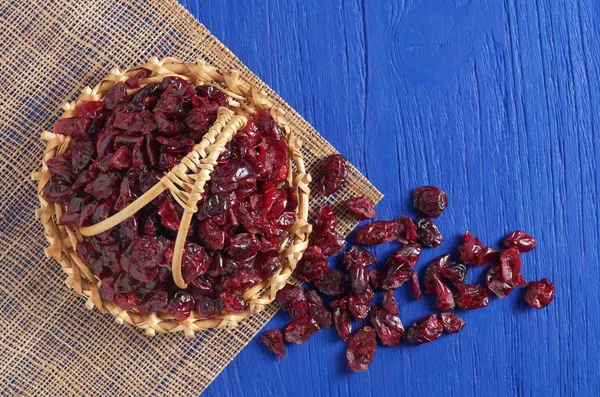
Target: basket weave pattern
186,183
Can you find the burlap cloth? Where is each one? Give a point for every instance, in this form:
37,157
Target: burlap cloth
50,344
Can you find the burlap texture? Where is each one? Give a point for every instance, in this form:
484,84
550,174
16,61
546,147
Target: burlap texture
50,344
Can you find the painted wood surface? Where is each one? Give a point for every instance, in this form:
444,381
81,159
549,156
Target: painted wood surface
494,101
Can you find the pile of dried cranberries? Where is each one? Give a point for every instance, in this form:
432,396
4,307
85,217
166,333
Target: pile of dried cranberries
352,291
121,147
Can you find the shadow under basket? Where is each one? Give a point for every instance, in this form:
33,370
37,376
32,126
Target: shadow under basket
185,183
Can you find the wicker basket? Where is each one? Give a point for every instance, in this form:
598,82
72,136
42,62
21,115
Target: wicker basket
186,184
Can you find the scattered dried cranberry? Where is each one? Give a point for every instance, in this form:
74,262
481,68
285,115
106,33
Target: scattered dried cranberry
273,339
472,251
395,273
452,323
408,230
434,271
358,278
495,282
430,200
332,283
334,171
361,207
358,256
410,254
444,301
471,296
390,304
375,278
539,293
359,304
317,309
330,244
510,266
456,273
325,222
428,233
388,326
361,349
300,330
521,240
341,317
378,232
416,288
293,300
425,330
313,270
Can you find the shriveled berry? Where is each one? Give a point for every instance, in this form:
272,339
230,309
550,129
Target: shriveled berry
361,207
428,233
410,254
452,323
330,244
332,283
325,222
300,330
434,271
317,309
273,339
358,278
389,303
153,303
495,282
539,293
416,288
361,349
521,240
470,250
444,301
395,273
313,270
73,126
471,296
375,278
408,230
234,303
456,273
425,330
430,200
359,304
388,326
180,305
378,232
208,307
293,300
356,255
334,171
341,317
510,266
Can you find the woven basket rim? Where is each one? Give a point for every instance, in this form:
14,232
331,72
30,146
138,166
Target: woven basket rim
244,100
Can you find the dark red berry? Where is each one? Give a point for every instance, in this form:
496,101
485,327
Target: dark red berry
332,283
408,230
390,304
359,304
378,232
317,309
452,323
375,278
356,255
539,293
428,233
409,253
495,282
293,300
471,296
416,288
521,240
395,273
273,339
181,304
434,271
388,326
330,244
444,300
300,330
425,330
361,349
510,266
430,200
456,273
325,222
334,171
358,278
341,317
361,207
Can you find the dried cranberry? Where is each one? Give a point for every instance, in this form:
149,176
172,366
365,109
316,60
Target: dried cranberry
396,272
471,296
428,233
390,304
470,250
334,171
361,207
134,81
234,303
358,256
408,230
521,240
510,266
444,301
273,339
180,305
300,330
358,279
452,323
409,253
330,244
434,271
61,169
495,282
430,200
73,126
317,309
293,300
210,235
361,349
378,232
242,245
341,317
456,273
168,215
539,293
153,303
325,222
425,330
359,304
195,261
332,283
208,307
416,288
388,326
375,278
313,270
115,96
90,109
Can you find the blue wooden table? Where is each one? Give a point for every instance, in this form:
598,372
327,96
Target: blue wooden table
494,101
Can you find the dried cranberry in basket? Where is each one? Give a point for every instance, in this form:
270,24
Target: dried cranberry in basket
388,326
334,171
425,330
428,233
378,232
452,323
361,207
208,307
521,240
471,296
539,293
273,339
300,330
361,349
430,200
180,305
